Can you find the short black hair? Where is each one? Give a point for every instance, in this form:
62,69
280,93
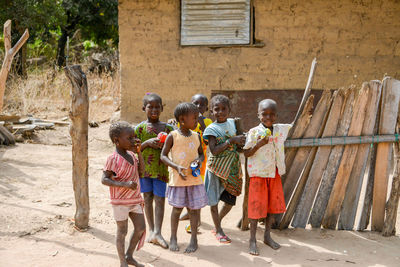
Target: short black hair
269,103
202,97
185,108
117,128
220,99
151,97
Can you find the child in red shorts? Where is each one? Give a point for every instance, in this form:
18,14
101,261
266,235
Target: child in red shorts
264,149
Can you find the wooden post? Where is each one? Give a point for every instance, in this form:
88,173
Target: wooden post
244,224
389,226
329,174
79,134
352,196
315,128
314,179
389,111
9,56
349,155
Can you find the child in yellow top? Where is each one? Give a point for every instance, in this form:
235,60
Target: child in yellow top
182,149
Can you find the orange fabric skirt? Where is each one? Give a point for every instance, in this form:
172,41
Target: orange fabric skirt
265,197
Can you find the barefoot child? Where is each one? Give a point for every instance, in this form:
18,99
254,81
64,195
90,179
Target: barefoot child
121,174
266,163
223,179
201,102
184,189
154,180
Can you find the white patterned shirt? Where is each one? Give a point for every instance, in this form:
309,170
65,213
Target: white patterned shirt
270,156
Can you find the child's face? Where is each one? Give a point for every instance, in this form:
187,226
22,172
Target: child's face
153,110
189,121
200,103
127,139
220,111
267,116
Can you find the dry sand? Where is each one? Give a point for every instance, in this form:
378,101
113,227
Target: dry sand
37,204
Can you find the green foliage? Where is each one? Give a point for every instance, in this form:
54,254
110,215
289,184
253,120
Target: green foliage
49,21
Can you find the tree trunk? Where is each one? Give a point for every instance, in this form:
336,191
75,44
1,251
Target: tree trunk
79,135
60,58
9,55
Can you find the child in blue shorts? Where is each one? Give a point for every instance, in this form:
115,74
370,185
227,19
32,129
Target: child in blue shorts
154,181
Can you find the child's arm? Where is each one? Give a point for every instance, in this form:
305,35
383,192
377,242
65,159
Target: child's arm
260,142
166,160
153,143
137,148
202,123
217,149
107,180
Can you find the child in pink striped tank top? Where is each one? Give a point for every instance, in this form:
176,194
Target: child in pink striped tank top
185,188
121,174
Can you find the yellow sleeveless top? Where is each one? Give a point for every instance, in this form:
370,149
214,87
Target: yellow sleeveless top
184,150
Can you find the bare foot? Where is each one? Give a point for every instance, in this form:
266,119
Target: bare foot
149,237
157,239
123,264
192,246
173,244
253,249
132,261
184,216
270,242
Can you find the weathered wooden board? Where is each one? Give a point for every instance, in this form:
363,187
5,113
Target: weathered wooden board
298,130
315,128
389,226
387,124
350,202
321,159
349,155
324,191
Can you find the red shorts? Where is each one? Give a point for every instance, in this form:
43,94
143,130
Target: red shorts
265,197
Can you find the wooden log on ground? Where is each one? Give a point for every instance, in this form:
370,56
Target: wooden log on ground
315,128
389,226
352,196
6,138
329,174
305,204
388,119
349,155
298,130
10,52
79,134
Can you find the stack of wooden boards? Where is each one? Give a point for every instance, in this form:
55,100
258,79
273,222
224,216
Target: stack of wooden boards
12,126
322,184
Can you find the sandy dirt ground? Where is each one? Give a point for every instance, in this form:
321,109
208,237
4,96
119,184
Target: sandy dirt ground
37,204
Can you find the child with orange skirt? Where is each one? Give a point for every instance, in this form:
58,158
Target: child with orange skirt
264,149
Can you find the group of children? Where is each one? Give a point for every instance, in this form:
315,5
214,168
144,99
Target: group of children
172,162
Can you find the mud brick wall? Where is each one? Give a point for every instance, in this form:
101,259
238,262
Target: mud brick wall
353,40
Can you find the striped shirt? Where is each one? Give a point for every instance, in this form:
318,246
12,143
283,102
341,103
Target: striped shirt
124,171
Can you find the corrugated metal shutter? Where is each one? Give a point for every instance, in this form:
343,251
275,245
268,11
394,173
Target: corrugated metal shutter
215,22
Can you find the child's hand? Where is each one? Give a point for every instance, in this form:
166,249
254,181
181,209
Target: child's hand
154,143
137,146
263,140
131,185
181,172
238,140
197,162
